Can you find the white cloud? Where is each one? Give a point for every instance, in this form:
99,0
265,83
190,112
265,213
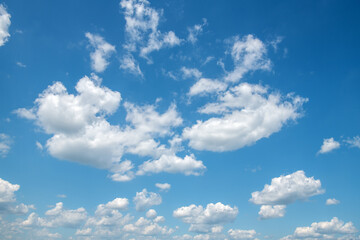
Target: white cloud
248,54
58,217
173,164
83,232
145,199
190,73
248,113
204,219
323,230
102,52
205,86
81,133
269,211
328,145
5,142
332,201
151,213
163,186
287,189
4,25
354,142
142,28
39,146
242,234
129,63
146,227
116,204
195,31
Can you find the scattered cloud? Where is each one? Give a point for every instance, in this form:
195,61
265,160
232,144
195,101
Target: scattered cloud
190,73
248,113
323,230
354,142
206,86
195,31
328,145
39,146
5,142
145,199
102,51
4,25
128,63
269,211
249,54
205,219
163,186
242,234
285,190
61,196
332,201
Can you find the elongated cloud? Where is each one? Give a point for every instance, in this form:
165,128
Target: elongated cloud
329,145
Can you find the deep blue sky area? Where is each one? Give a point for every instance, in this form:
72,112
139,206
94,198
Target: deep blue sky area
139,119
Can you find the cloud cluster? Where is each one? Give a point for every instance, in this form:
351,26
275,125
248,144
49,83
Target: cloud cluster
285,190
248,113
323,230
196,30
4,25
145,199
81,133
102,50
207,219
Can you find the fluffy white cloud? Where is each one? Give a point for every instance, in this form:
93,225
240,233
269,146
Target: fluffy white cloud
173,164
332,201
4,25
146,227
328,145
205,86
145,199
81,133
323,230
204,219
287,189
190,73
8,200
102,52
163,186
248,54
116,204
195,31
57,217
242,234
5,142
248,113
142,28
129,63
269,211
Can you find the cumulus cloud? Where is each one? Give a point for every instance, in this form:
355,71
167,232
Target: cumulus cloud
163,186
8,203
4,25
248,113
328,145
269,211
242,234
5,142
102,52
285,190
332,201
323,230
195,31
204,219
81,133
141,28
249,54
206,86
145,199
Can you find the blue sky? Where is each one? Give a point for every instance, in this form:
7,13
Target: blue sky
179,120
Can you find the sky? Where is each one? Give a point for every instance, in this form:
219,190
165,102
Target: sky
183,120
